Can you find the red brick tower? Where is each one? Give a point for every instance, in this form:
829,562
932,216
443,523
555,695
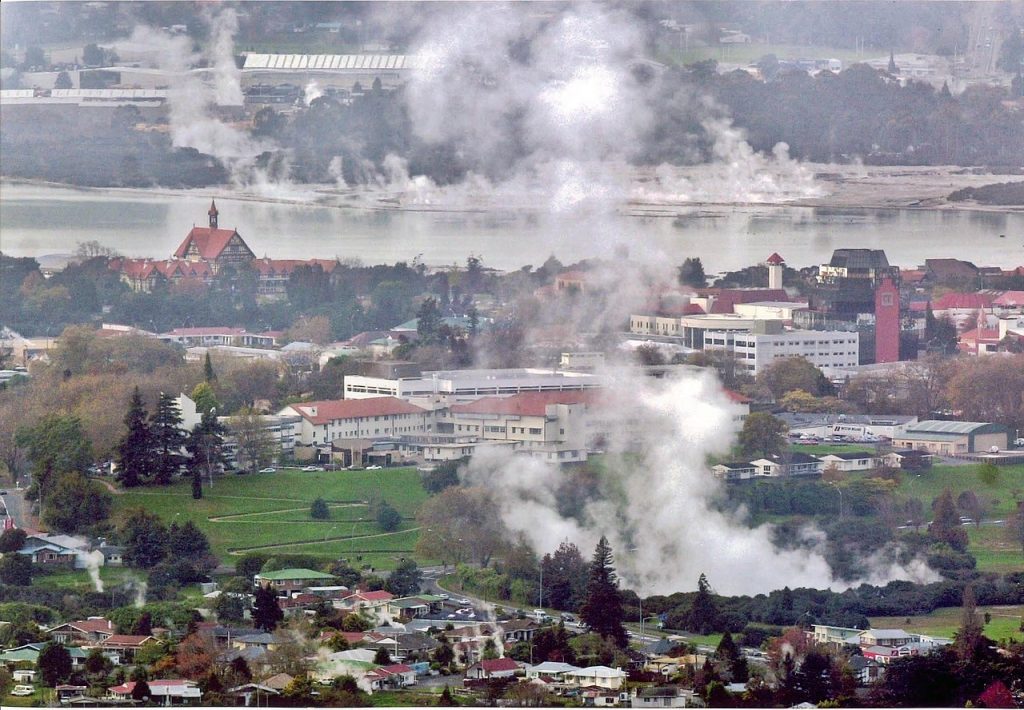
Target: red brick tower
887,322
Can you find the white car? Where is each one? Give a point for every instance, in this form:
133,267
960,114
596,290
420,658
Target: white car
23,690
268,469
375,467
312,468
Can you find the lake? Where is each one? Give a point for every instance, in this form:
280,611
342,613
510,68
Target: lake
37,220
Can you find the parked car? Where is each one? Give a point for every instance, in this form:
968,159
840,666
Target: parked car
312,468
375,467
268,469
23,690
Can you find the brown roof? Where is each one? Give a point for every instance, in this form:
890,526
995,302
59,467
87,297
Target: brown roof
330,410
775,259
525,404
126,640
209,241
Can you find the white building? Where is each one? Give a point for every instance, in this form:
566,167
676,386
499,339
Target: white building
827,350
374,418
769,310
467,385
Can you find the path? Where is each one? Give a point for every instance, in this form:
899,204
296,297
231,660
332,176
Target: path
342,538
109,486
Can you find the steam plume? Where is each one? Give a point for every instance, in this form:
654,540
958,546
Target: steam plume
93,562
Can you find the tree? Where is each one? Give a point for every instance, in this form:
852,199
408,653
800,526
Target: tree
229,609
382,657
461,524
266,612
54,664
141,691
197,483
56,445
135,450
442,476
187,542
794,373
428,321
63,81
144,537
12,540
205,446
691,273
565,577
205,399
209,375
16,569
987,389
249,565
602,606
168,439
93,55
318,510
946,526
703,617
255,445
75,504
405,580
388,518
445,700
762,433
969,636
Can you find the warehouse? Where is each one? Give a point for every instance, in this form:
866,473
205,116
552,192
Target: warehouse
953,438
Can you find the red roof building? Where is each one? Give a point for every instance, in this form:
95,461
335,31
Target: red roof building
962,301
775,259
218,247
532,404
337,410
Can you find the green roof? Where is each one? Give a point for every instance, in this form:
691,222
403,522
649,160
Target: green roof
23,654
935,426
284,575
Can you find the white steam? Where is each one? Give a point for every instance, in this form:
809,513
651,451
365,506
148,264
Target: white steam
655,505
93,562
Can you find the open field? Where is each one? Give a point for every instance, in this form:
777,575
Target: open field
995,552
270,512
1004,624
929,485
79,581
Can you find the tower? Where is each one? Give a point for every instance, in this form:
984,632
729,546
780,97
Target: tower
213,214
887,321
775,264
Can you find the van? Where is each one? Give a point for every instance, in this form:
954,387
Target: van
23,690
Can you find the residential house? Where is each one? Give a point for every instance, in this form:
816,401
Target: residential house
735,470
865,670
394,676
122,647
947,438
888,638
56,550
29,653
832,635
370,603
670,696
599,676
265,641
292,580
518,630
790,464
908,459
551,670
165,692
849,461
492,669
90,631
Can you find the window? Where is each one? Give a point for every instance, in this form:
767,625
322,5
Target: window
535,431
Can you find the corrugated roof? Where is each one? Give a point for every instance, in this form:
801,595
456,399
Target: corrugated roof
331,410
935,426
331,62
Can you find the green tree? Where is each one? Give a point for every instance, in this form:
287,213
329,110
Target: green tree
602,606
318,510
969,635
229,609
255,445
794,373
988,472
187,542
445,700
16,569
442,476
249,565
135,450
428,323
140,691
144,537
208,374
205,446
205,399
405,580
703,617
762,434
388,518
946,525
691,273
266,612
75,504
55,445
168,439
12,540
54,664
382,657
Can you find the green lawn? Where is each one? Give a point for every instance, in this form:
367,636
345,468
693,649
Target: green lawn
79,580
995,552
928,485
270,512
1004,624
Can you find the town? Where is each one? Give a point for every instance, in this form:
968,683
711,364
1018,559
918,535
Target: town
855,386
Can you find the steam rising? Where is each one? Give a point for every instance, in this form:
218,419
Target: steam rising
93,562
655,504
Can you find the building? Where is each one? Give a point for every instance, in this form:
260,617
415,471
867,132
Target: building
165,692
123,647
467,385
887,321
212,336
89,631
492,669
671,696
827,350
339,72
218,247
832,635
600,676
775,264
735,471
849,426
326,421
952,438
862,264
791,464
849,461
287,581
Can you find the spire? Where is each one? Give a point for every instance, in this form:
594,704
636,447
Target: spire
213,214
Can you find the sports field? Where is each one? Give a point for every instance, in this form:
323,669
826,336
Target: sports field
1004,622
269,513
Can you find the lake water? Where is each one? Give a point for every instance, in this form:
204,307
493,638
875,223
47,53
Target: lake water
36,220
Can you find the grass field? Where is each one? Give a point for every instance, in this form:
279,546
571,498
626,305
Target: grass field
270,513
79,581
929,485
1004,624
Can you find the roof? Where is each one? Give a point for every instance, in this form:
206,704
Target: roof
292,573
261,639
737,397
598,672
528,404
859,259
849,455
376,596
279,681
934,426
554,667
946,268
394,669
775,259
325,411
1010,298
209,241
962,300
126,640
887,633
89,626
496,665
736,465
330,62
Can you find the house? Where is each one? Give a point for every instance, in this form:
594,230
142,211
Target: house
908,459
75,633
671,696
250,694
865,670
735,470
29,653
287,581
600,676
947,438
410,607
264,640
218,247
371,602
165,692
113,555
518,630
790,464
550,669
832,635
849,461
56,550
325,421
397,675
123,647
492,668
886,638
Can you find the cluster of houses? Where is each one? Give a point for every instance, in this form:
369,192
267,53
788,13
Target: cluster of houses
873,649
69,551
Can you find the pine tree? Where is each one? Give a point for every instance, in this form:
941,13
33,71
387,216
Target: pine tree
446,700
134,451
266,612
970,633
602,607
946,524
208,374
168,438
703,616
205,446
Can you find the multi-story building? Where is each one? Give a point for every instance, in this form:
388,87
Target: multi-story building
827,350
467,385
375,418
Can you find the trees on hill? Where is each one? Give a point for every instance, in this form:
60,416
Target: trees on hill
168,439
602,606
266,612
762,434
135,450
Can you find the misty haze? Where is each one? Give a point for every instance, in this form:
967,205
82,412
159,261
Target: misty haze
658,354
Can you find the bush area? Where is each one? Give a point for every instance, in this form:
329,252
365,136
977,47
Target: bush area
1003,193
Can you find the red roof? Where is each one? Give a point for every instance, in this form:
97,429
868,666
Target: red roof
394,669
1010,298
125,640
737,397
208,330
93,626
775,259
530,404
127,687
496,665
286,266
209,241
377,596
330,410
962,300
726,298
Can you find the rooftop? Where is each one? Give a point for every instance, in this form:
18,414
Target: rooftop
934,426
292,573
326,411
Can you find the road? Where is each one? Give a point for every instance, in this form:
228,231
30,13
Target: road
18,508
